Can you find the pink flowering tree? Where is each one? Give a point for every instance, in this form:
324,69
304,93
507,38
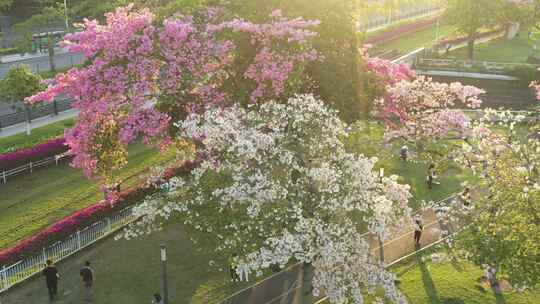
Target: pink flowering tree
142,75
417,110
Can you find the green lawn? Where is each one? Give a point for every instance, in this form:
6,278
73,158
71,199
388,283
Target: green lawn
30,202
129,272
412,41
450,282
412,173
38,135
503,50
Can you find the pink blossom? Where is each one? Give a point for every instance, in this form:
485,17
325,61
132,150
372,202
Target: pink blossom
140,74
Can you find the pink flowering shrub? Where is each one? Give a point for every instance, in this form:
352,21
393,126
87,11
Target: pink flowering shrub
83,218
38,152
143,75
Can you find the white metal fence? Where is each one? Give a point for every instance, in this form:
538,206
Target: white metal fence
30,266
29,167
380,22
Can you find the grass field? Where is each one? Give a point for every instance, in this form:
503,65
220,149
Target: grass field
424,282
30,202
503,50
412,41
38,135
129,272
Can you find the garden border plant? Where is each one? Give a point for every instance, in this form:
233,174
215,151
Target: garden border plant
38,152
85,217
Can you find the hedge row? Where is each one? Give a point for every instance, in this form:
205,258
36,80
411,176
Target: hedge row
83,218
38,152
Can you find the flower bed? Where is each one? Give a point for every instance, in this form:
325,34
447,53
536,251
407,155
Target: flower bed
460,40
83,218
24,156
387,36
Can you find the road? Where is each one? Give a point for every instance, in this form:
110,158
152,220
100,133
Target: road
41,64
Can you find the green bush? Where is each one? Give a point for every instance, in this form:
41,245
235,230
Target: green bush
534,59
9,51
526,74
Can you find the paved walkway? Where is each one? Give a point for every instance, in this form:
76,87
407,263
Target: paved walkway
287,287
38,122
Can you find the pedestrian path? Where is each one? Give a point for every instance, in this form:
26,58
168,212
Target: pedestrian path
290,285
38,122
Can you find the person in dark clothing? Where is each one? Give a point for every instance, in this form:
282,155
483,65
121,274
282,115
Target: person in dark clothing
418,227
157,299
432,175
51,277
87,275
232,269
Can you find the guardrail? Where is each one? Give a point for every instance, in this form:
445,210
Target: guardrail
29,167
16,273
472,66
35,112
386,21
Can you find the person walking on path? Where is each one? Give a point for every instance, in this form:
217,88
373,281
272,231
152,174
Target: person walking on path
466,196
431,176
51,277
404,153
157,299
418,228
87,275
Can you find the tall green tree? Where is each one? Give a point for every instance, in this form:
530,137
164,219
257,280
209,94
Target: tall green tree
44,22
468,17
5,5
336,79
18,84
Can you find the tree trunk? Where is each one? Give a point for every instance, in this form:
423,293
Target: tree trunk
50,46
28,120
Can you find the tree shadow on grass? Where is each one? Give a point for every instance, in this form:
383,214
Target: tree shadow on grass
429,285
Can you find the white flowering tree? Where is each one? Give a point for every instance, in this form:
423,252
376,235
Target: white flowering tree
503,231
275,186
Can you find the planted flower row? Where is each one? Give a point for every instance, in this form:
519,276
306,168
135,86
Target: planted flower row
390,35
83,218
21,157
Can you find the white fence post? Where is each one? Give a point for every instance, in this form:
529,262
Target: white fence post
30,167
44,255
109,228
78,239
4,177
3,279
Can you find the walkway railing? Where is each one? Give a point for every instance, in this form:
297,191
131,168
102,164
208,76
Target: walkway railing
382,22
466,65
291,286
30,166
42,110
13,274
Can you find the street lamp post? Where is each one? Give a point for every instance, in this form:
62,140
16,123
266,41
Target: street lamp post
164,273
66,15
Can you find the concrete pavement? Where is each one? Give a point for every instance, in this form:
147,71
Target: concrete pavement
41,64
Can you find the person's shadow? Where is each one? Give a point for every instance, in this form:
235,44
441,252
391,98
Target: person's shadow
499,297
429,285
